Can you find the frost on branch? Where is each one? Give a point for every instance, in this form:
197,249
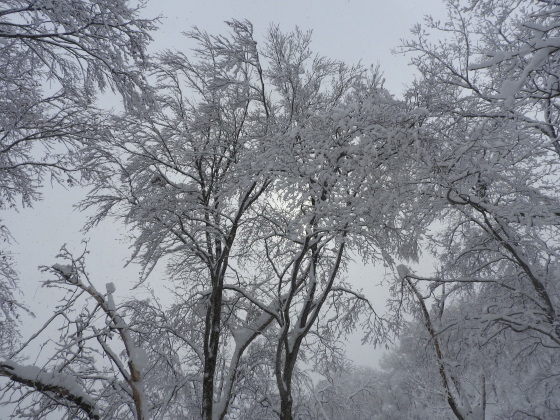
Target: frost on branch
67,272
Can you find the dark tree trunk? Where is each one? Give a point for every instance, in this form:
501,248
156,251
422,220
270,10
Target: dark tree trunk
286,405
284,381
211,345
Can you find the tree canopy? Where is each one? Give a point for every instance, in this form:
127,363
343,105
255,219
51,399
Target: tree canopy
250,173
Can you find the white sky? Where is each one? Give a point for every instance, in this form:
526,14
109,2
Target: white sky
349,30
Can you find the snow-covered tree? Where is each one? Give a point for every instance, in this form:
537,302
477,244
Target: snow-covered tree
340,188
187,177
88,374
55,57
348,392
503,53
489,105
255,176
259,172
450,364
492,175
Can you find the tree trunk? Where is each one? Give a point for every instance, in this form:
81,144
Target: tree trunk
284,373
211,345
286,405
285,390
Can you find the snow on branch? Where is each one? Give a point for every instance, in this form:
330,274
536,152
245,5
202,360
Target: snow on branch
62,386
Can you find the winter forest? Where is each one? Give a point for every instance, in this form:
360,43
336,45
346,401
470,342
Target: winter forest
246,174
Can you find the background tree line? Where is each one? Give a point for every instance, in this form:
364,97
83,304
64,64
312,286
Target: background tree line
255,172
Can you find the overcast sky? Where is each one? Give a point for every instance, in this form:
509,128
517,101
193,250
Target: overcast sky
349,30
